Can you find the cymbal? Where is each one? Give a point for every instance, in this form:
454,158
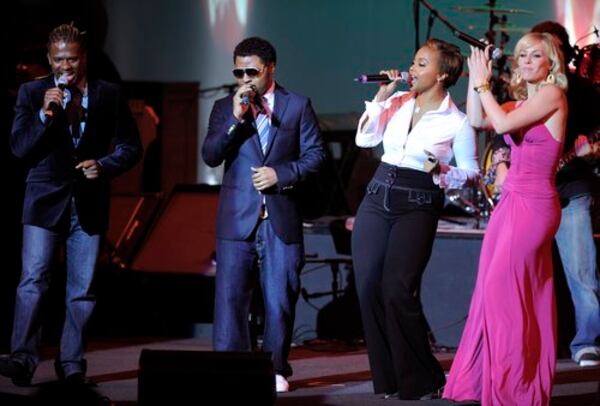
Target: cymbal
499,27
487,9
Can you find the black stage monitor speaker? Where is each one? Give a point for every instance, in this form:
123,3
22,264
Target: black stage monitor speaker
205,378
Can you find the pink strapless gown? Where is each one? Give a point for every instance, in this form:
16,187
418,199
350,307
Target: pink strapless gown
507,353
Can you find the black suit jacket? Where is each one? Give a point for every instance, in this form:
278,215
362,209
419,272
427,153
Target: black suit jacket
110,137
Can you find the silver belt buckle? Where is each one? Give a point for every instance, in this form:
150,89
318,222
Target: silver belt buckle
262,214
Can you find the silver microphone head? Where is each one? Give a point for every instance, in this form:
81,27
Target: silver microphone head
62,81
246,96
496,54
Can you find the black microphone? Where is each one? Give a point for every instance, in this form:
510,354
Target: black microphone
365,78
61,83
495,53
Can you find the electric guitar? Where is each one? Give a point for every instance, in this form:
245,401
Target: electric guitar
593,140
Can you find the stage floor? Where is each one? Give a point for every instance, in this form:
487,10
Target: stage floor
325,373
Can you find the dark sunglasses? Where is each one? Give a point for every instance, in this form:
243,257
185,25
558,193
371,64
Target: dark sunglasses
240,72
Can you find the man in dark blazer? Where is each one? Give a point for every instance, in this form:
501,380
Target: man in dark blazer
74,136
269,140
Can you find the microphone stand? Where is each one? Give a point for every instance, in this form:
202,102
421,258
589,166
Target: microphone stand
455,31
430,21
416,19
463,36
498,85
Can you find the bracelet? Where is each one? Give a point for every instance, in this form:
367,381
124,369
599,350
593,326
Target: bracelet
482,88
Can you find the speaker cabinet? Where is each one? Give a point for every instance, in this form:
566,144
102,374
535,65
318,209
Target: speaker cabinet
182,239
448,284
205,378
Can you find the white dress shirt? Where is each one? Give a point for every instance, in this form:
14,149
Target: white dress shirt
445,132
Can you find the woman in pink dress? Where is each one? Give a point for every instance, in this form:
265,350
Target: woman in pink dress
507,352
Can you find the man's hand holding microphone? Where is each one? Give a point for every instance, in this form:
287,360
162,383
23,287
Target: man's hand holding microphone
53,98
242,99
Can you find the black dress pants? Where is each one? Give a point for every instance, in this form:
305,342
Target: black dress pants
392,240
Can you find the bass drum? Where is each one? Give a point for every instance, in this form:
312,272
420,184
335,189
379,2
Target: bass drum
588,63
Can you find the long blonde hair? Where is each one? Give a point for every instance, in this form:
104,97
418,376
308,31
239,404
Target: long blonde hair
556,74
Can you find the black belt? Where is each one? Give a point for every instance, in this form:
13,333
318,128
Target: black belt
415,195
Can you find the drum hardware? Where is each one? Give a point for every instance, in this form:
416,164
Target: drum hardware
491,202
491,8
455,197
588,63
587,58
595,32
471,201
501,28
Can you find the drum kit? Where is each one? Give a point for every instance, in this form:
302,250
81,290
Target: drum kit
587,62
480,201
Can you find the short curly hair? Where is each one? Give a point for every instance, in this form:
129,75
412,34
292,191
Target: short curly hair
450,62
256,46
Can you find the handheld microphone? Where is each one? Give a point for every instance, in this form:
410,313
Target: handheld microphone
495,53
61,83
246,96
365,78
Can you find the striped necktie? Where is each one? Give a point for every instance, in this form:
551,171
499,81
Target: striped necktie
263,125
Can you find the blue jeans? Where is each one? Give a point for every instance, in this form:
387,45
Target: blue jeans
39,246
279,266
578,255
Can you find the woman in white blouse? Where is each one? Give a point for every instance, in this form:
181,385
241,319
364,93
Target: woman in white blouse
395,226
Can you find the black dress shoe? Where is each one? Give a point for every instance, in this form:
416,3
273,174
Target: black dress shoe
388,396
17,372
